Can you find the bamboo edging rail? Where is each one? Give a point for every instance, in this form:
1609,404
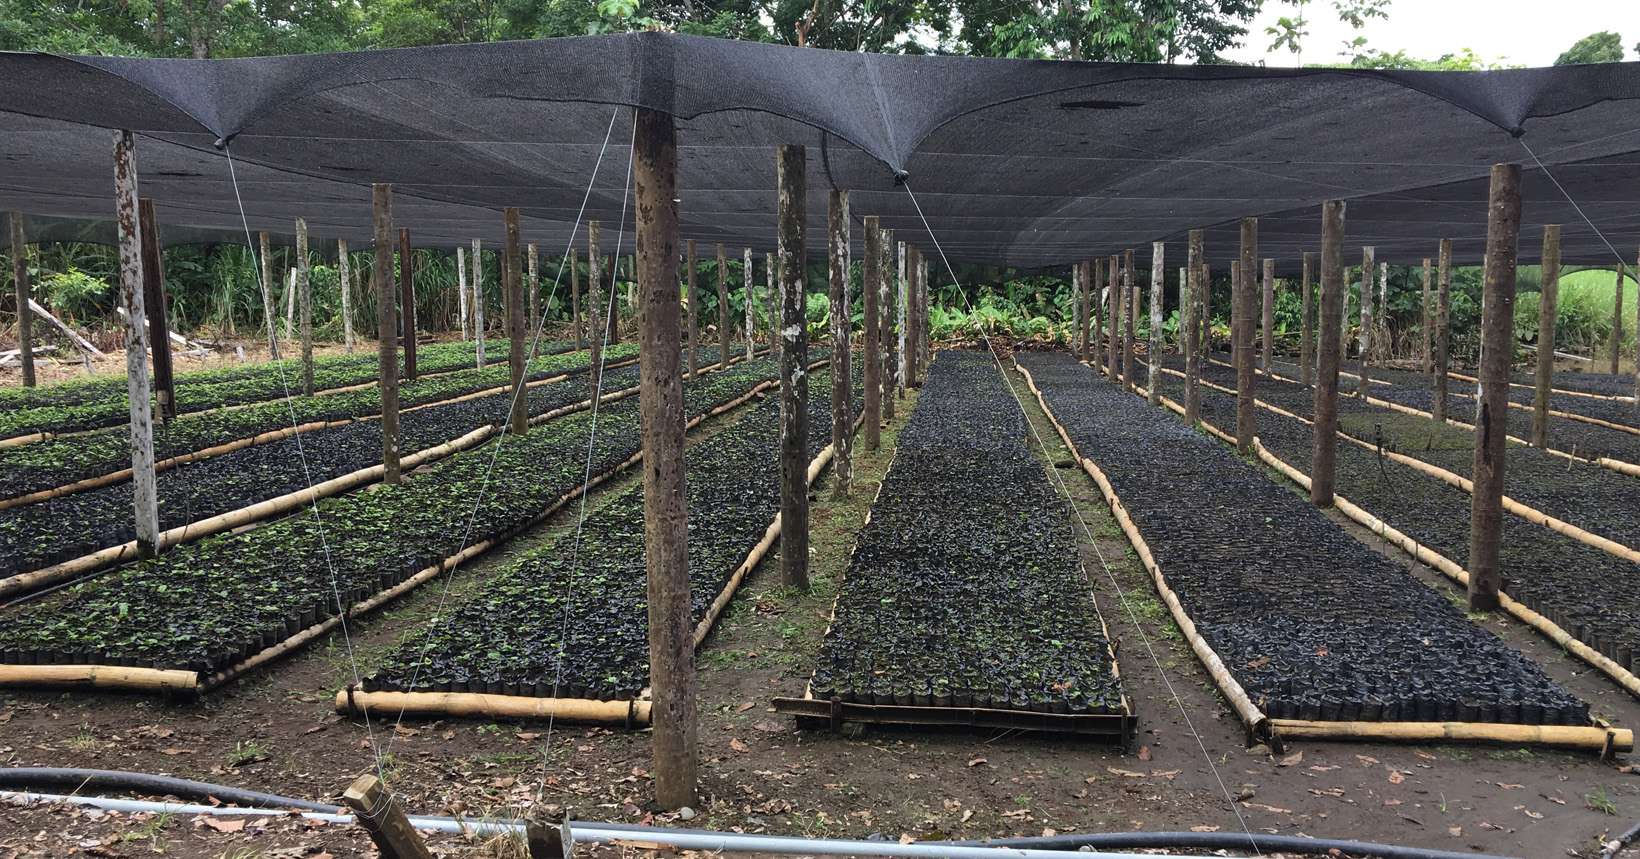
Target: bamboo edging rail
1616,398
1591,737
632,712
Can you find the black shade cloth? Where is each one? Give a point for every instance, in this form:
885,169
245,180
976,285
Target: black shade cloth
1014,162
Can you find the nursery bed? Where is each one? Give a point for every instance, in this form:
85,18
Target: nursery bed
1568,583
564,631
32,414
1304,623
964,602
224,605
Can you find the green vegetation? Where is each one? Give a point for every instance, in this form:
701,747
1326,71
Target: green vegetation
1602,47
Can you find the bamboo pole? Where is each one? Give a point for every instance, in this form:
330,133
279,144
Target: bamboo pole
666,546
290,305
512,282
1129,320
1245,414
1193,330
1268,320
842,383
1324,450
304,298
1442,333
19,274
1548,297
746,292
386,323
794,381
407,305
1074,317
595,328
1362,382
146,509
873,276
478,299
612,305
908,282
924,342
344,282
352,701
1306,346
1492,424
1617,317
1158,297
158,321
110,677
1427,359
1555,736
723,305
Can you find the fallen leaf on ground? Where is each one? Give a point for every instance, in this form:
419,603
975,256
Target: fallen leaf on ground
1204,829
1368,761
509,781
1392,801
176,751
1323,768
1507,786
222,824
976,761
1423,754
1395,777
968,813
527,736
746,706
1167,774
1144,753
1128,773
739,746
1455,830
1270,808
769,727
905,838
1532,814
1295,757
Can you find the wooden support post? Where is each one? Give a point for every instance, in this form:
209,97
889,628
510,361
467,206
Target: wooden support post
25,321
1426,362
153,299
1193,343
267,294
379,813
1118,301
1443,317
577,323
407,305
1362,383
1548,306
873,276
1637,341
1306,339
381,274
1268,320
690,264
1235,310
1096,287
1245,407
517,329
1131,298
903,314
533,287
842,382
304,300
747,296
771,268
908,284
612,305
1084,327
344,283
1386,344
595,306
461,290
1074,317
666,528
1617,317
1492,416
794,378
290,305
478,302
1158,298
889,313
925,339
144,498
1334,286
723,307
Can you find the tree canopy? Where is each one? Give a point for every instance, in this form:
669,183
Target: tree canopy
1602,47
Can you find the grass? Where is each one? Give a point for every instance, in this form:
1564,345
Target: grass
1584,317
152,832
1599,801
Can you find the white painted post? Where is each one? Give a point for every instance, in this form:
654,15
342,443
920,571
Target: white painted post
146,506
461,289
1158,297
751,315
346,286
478,301
900,317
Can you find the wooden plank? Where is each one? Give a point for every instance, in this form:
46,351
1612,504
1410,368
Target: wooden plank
379,813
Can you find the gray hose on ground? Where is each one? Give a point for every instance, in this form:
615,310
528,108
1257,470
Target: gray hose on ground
1616,845
39,779
1221,841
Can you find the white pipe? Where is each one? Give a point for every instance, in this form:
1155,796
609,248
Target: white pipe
717,841
437,824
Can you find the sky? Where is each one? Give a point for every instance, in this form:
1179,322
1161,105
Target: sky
1526,32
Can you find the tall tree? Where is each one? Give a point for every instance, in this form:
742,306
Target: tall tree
1602,47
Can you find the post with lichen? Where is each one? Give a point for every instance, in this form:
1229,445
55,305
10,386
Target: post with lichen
889,314
1492,412
794,380
1193,344
1268,321
1324,450
1443,318
25,321
1158,297
517,327
723,306
1363,382
407,305
595,328
1306,339
1548,299
873,358
842,382
387,353
1245,406
145,501
690,262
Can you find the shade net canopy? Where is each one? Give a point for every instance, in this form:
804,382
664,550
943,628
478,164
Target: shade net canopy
1012,162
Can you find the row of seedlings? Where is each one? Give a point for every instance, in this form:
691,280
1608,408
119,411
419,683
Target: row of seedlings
77,462
1581,499
66,528
1571,590
565,630
964,601
94,404
1304,628
208,611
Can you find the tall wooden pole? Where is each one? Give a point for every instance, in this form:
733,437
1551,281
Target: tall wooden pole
145,503
1324,450
1245,413
1492,416
1637,342
886,321
1443,317
1548,306
723,306
381,273
1118,301
771,268
595,306
267,293
1306,341
1131,297
407,302
1362,381
665,506
925,338
1074,317
461,290
533,287
690,261
748,295
1096,287
577,318
153,299
1235,310
25,318
1617,317
1268,320
842,382
909,281
1426,362
345,283
904,314
1085,327
1193,344
873,357
304,298
517,326
794,378
1158,298
612,304
478,301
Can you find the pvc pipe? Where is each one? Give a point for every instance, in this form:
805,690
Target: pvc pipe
720,841
127,806
1228,841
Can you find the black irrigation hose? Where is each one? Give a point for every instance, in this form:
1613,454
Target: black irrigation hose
39,779
1616,845
1221,841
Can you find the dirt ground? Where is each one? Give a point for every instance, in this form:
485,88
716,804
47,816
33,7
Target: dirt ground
275,731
